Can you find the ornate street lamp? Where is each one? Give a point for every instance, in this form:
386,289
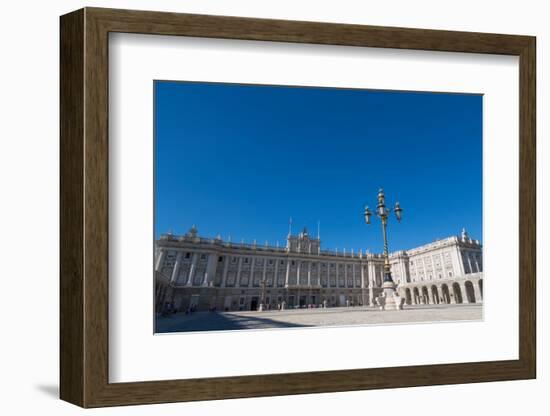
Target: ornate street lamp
382,212
261,308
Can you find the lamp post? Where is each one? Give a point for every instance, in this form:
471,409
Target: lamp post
382,212
261,308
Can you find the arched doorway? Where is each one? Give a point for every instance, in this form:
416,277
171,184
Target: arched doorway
435,295
408,299
445,293
416,296
470,294
425,297
457,293
480,283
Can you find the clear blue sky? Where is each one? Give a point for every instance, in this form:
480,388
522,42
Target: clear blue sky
240,160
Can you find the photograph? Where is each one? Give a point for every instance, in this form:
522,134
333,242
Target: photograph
281,206
259,204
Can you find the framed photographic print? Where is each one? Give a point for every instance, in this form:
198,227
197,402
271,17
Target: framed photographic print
255,207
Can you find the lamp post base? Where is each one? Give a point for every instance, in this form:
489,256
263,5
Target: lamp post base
392,301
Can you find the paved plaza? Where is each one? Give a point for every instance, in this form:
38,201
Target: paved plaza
296,318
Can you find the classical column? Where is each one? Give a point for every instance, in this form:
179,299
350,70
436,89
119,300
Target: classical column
318,273
298,271
464,293
238,277
478,269
441,294
264,271
405,278
469,262
346,277
175,271
372,281
477,292
438,299
251,271
160,259
192,269
210,269
276,274
225,267
452,295
430,299
364,299
459,261
309,274
287,277
337,266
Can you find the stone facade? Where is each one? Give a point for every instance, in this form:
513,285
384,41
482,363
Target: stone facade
206,273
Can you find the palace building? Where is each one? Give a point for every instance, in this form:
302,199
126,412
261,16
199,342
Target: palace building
207,273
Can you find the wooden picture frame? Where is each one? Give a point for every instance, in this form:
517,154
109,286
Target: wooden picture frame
84,207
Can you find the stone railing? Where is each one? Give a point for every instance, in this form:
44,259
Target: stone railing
261,247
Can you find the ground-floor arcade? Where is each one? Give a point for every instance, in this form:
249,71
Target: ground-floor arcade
468,289
249,299
464,290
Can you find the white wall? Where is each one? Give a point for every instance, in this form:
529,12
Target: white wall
29,208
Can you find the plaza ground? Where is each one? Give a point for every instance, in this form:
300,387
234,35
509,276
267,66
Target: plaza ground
297,318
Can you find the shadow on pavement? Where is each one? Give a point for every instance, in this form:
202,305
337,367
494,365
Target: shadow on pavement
216,321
